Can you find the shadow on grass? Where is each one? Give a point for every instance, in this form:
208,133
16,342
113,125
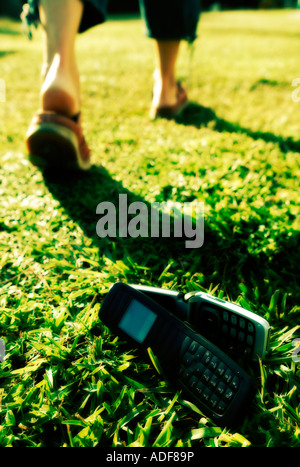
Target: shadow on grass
223,259
80,193
9,31
198,116
6,52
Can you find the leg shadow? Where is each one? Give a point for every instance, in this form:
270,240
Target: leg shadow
224,257
199,116
79,194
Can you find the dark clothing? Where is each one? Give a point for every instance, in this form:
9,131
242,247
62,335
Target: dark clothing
164,19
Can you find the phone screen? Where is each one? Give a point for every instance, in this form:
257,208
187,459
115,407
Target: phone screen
137,321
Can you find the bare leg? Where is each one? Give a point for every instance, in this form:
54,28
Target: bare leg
53,139
164,91
60,89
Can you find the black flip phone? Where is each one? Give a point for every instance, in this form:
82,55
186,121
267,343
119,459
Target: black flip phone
234,329
218,386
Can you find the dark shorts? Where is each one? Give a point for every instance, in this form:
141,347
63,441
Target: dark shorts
164,19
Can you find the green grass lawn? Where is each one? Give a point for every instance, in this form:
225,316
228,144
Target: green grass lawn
66,380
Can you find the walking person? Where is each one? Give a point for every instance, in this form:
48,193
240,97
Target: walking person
55,136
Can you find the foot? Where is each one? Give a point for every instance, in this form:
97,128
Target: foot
55,137
57,141
60,89
164,91
169,98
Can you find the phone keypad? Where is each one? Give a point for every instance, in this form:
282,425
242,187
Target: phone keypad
211,380
237,332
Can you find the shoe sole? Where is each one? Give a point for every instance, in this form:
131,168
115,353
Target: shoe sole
53,146
168,112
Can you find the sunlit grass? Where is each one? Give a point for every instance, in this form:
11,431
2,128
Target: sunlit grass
66,380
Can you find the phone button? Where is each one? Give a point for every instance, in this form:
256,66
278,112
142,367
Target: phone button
228,395
213,363
206,376
193,347
221,389
221,407
234,384
206,357
221,369
206,394
187,359
227,376
213,382
199,388
213,401
242,323
233,320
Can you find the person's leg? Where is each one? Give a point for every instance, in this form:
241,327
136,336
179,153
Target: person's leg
60,90
55,135
165,87
168,23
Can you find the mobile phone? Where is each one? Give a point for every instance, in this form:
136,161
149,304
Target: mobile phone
234,329
217,385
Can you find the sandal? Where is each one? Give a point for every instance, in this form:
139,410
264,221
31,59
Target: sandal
172,111
54,140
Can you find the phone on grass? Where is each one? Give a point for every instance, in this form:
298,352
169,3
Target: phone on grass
219,387
234,329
